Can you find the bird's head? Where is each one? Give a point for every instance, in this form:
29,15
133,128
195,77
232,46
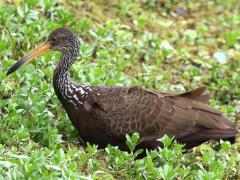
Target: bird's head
61,39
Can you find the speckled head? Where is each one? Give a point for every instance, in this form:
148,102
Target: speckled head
61,39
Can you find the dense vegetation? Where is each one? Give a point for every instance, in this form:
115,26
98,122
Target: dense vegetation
166,45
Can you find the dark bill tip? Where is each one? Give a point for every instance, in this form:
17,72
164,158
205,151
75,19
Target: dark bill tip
33,54
16,66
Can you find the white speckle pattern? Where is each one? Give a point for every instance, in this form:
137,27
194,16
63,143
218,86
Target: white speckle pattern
89,89
75,97
71,93
81,90
73,103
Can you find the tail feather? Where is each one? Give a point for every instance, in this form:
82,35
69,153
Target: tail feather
199,137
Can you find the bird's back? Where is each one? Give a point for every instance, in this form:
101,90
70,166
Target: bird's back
117,111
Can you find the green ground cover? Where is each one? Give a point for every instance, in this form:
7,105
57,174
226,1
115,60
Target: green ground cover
166,45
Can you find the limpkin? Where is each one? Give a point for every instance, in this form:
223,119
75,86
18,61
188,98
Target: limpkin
104,115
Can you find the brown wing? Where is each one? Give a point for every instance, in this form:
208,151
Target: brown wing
201,94
185,116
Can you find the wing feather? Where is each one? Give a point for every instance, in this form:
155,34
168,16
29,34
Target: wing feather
153,114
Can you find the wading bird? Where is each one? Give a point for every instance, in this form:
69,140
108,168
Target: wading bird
104,115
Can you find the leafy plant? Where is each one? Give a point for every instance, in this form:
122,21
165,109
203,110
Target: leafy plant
169,46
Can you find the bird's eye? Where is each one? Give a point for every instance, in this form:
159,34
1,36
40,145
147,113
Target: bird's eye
54,39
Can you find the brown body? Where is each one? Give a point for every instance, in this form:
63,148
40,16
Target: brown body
104,115
118,111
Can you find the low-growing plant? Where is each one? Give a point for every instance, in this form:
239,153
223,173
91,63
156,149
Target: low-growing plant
169,46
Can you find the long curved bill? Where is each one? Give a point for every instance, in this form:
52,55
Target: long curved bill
29,57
